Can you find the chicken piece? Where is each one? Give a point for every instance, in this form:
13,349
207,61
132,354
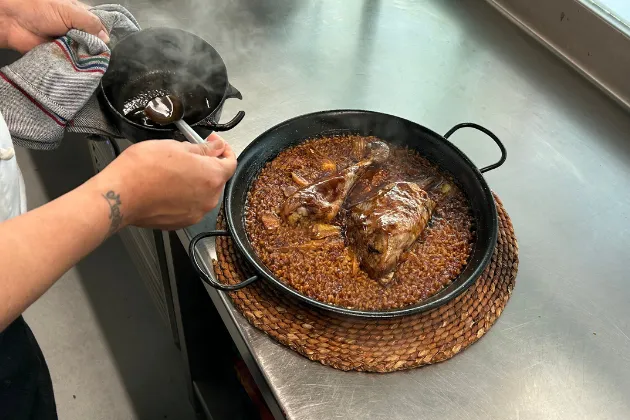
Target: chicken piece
320,230
370,182
355,262
378,152
270,220
384,226
298,179
289,190
322,200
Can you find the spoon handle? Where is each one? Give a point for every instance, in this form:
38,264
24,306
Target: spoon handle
189,133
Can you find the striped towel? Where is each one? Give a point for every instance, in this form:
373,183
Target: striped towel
52,88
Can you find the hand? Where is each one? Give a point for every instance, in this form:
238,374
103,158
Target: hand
168,185
24,24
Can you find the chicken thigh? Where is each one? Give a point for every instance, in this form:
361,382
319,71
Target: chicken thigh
382,227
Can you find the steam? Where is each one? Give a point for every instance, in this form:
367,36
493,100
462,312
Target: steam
212,20
184,56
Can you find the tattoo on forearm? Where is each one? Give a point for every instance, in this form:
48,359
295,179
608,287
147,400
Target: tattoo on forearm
115,215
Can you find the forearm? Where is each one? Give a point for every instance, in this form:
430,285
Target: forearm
36,248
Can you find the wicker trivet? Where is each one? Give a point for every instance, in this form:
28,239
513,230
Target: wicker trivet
377,345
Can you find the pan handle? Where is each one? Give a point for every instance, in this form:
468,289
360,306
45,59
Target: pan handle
231,93
489,134
207,277
224,127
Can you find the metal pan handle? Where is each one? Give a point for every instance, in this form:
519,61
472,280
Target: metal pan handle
231,93
207,278
224,127
489,134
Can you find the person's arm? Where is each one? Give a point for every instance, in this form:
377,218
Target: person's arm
159,184
36,248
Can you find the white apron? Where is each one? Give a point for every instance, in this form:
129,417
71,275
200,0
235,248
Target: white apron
12,193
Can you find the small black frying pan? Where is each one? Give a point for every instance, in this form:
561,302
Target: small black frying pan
164,61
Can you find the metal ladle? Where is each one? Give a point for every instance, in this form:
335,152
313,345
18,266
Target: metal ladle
164,110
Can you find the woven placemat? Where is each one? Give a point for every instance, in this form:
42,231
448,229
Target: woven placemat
385,345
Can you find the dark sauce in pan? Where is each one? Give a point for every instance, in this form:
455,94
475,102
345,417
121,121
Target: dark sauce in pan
196,107
139,117
197,100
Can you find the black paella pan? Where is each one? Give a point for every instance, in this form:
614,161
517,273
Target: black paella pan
393,130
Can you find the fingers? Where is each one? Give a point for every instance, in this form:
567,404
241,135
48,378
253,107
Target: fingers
228,154
216,144
228,162
215,154
76,16
213,147
225,163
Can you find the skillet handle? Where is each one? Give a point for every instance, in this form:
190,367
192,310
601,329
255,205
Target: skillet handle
232,93
208,278
227,126
489,134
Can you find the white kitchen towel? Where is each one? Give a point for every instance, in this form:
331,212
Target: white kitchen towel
52,88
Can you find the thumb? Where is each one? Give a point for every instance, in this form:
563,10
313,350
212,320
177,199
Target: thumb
78,17
213,147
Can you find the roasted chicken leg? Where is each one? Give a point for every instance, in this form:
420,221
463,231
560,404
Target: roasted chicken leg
322,200
384,226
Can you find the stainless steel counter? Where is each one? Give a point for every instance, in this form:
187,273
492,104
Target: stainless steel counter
561,349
